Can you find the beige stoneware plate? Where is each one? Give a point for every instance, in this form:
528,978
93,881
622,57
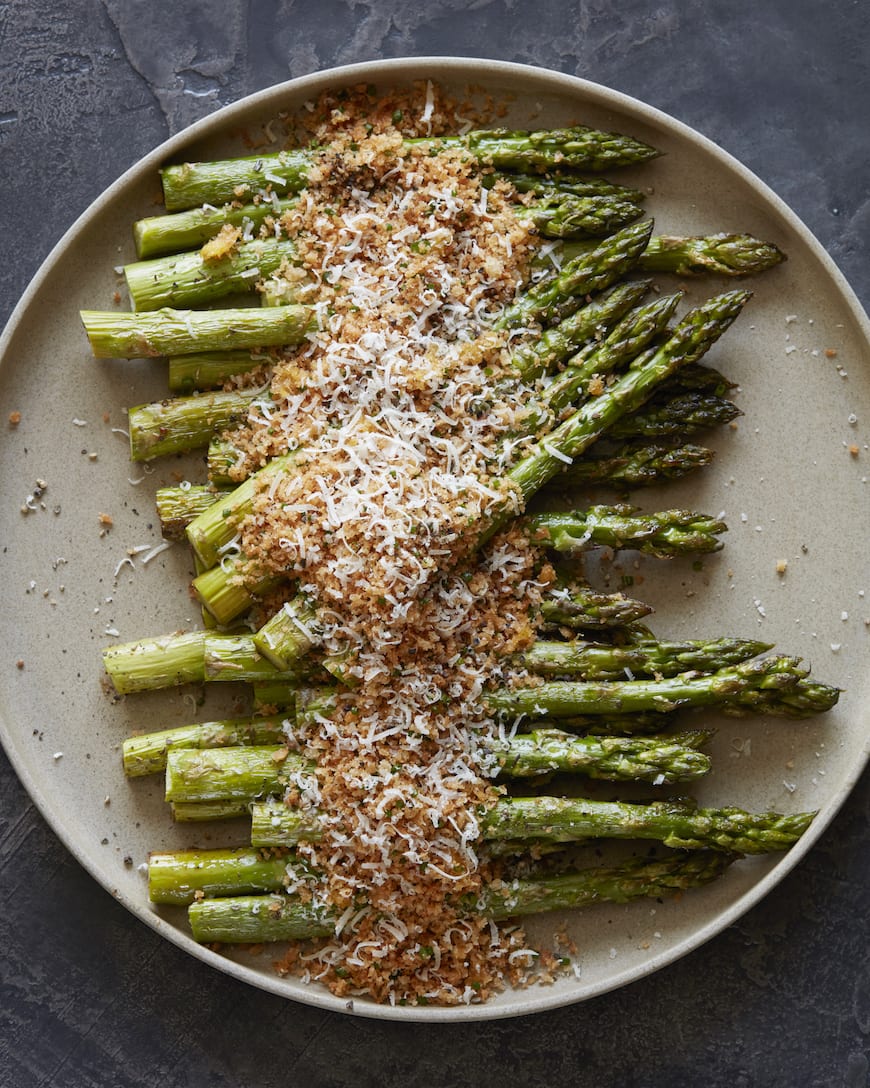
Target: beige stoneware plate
785,478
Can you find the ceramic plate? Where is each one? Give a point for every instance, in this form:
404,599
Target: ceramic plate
790,479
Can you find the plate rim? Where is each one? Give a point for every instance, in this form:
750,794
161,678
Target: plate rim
470,68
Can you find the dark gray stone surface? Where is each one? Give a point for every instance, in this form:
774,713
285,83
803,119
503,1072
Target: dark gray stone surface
91,997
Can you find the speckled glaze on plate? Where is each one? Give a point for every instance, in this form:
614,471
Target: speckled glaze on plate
787,478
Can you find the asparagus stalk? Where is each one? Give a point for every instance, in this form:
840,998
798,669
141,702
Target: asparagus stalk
722,254
558,699
289,634
804,699
156,662
234,658
582,607
153,663
214,528
146,754
210,369
678,824
775,685
178,506
677,416
634,464
601,661
579,147
186,423
663,534
190,280
559,181
245,773
660,760
224,596
178,878
164,234
308,703
192,184
569,215
180,332
231,774
267,918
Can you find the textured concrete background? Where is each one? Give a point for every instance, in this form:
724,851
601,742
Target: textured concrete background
91,997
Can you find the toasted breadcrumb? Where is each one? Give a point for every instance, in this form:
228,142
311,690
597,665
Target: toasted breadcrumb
401,450
224,243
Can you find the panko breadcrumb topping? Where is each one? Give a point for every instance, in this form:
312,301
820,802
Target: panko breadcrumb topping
401,447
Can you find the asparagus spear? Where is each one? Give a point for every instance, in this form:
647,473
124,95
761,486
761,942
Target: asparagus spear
210,369
677,416
186,423
289,634
153,663
563,698
569,215
634,464
679,824
664,534
180,332
189,279
146,754
170,659
179,877
223,596
722,254
163,234
582,607
191,184
231,774
246,773
233,658
258,919
177,506
278,694
601,661
214,528
560,181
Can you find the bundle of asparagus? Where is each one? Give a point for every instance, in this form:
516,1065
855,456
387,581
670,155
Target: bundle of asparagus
597,387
